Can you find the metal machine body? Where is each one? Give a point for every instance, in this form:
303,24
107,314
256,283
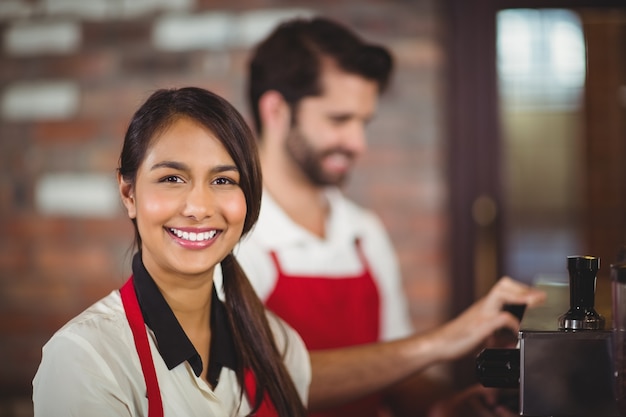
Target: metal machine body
564,365
563,373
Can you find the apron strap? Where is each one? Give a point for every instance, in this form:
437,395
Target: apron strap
155,403
140,335
266,409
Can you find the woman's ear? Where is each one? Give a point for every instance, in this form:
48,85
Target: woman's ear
127,195
275,115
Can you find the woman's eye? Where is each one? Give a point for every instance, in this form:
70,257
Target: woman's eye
171,178
224,181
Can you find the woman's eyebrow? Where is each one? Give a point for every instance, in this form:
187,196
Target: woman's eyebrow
224,168
179,166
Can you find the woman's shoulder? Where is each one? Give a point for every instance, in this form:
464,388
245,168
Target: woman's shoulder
87,365
283,332
101,322
294,353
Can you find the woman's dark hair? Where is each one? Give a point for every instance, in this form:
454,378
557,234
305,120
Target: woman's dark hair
251,332
290,59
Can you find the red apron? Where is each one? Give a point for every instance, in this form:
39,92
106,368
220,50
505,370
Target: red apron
140,336
331,313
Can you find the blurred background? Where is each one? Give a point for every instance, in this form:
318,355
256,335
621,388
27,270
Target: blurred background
499,149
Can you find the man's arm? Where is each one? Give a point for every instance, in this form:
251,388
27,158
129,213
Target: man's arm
345,374
342,375
416,395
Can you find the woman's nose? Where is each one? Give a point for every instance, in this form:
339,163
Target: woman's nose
199,202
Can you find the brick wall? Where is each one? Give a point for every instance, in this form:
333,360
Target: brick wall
71,74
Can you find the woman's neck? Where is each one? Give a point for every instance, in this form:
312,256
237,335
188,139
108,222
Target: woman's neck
190,301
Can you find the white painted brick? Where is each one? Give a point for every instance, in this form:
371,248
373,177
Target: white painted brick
254,25
77,195
91,9
42,37
40,100
218,30
136,8
175,32
111,10
14,9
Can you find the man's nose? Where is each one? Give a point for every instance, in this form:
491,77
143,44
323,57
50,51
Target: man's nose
356,138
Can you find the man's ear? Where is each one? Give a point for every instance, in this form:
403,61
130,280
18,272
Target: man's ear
275,115
127,193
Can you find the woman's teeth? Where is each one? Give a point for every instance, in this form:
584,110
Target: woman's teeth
192,236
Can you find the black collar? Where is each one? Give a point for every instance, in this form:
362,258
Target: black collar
174,345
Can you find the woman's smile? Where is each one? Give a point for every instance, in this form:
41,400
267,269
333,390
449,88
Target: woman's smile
193,238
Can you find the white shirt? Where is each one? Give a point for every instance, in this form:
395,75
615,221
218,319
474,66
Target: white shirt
90,368
302,253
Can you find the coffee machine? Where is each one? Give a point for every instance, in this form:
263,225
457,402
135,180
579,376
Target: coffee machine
565,362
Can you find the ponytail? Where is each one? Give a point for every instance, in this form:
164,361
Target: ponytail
256,348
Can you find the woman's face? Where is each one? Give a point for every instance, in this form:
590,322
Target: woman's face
187,202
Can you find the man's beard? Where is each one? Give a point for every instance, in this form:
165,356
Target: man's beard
310,161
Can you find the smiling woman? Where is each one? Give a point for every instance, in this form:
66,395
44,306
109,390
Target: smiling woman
186,187
190,181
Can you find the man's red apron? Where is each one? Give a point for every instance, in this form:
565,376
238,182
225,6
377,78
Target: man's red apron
140,336
331,313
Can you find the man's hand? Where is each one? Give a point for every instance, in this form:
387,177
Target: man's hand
487,315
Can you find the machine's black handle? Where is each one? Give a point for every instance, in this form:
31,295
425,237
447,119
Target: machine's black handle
498,368
516,309
582,285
